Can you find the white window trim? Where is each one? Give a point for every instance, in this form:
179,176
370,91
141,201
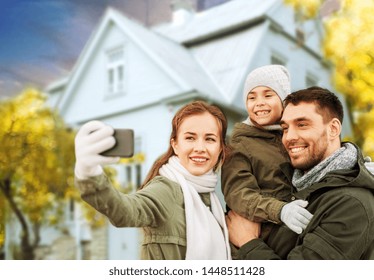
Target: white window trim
117,87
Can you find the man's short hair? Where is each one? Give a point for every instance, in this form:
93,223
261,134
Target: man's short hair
327,103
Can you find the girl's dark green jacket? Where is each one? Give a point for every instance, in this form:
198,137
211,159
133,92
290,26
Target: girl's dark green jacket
253,184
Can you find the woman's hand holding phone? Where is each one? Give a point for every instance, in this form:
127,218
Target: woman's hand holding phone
92,139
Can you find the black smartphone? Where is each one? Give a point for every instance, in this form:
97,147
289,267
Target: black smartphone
124,146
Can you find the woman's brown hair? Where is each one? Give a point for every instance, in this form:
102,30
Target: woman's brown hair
193,108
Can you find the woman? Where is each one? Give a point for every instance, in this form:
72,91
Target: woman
177,207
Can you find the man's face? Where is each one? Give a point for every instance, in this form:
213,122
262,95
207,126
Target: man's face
305,135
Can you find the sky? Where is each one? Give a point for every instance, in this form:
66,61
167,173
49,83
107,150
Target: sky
40,40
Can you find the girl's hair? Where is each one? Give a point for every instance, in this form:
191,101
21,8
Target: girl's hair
191,109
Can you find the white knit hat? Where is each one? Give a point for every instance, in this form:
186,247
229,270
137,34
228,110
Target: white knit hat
275,77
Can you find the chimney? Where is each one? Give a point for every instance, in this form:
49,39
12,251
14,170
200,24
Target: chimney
182,11
329,7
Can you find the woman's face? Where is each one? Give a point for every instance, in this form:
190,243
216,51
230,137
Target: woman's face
198,143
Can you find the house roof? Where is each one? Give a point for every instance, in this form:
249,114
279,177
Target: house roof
220,19
214,68
173,58
57,84
229,59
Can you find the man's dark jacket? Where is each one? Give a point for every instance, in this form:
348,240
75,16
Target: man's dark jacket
342,227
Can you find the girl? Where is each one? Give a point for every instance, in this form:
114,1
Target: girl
177,207
253,184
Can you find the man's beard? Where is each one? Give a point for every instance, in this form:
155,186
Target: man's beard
316,157
309,163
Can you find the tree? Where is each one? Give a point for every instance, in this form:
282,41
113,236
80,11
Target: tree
2,227
36,164
305,9
348,46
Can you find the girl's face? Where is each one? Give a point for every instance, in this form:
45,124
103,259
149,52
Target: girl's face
198,143
264,106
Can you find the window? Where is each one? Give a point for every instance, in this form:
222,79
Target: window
116,71
206,4
300,36
133,176
278,59
133,168
128,174
111,80
71,209
311,80
138,171
120,78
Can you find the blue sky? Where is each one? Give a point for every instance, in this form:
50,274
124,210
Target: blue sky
40,40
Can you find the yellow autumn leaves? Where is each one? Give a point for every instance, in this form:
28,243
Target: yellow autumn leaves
36,165
348,46
36,159
305,8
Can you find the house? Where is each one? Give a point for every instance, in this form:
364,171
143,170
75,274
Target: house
131,76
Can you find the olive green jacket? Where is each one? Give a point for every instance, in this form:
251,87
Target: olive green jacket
158,208
342,227
252,182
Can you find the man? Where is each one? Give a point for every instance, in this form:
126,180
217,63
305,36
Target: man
330,175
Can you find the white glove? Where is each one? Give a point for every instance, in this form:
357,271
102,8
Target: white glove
369,165
92,139
295,216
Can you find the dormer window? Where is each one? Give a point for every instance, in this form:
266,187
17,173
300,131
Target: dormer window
311,80
276,58
116,71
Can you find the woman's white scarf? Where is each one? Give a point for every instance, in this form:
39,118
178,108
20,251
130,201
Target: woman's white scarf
206,231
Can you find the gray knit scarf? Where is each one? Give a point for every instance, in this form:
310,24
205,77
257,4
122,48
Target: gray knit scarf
344,158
